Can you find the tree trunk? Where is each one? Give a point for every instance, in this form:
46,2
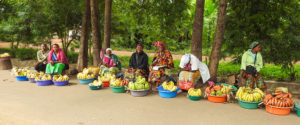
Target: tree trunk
196,45
219,37
96,32
85,32
107,23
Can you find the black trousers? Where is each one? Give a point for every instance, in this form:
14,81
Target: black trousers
40,67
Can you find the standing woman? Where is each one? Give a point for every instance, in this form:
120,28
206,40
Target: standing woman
251,64
57,61
162,60
42,58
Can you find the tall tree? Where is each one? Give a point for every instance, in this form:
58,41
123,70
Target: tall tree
85,32
196,45
96,32
219,37
107,23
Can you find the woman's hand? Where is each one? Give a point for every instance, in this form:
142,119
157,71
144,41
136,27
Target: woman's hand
52,63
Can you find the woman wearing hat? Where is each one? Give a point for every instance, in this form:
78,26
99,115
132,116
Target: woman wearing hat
251,64
138,63
162,60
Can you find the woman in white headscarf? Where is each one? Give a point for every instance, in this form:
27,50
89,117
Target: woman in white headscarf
191,71
110,61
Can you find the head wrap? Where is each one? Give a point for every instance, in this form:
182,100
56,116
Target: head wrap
159,43
108,49
253,45
139,45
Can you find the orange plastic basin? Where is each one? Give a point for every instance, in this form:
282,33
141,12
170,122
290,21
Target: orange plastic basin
278,110
217,99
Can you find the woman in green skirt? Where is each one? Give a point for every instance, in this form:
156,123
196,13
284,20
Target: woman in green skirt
57,61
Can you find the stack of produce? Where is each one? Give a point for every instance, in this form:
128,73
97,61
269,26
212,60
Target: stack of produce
249,95
89,70
22,72
125,81
169,86
96,83
4,55
218,90
107,77
44,77
140,84
61,78
33,75
279,99
116,82
85,76
194,92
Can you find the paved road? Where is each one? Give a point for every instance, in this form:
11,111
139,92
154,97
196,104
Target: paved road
24,103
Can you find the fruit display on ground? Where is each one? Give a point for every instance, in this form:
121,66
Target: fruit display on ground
5,55
85,76
169,86
139,84
96,83
249,95
194,92
61,78
115,82
89,70
44,77
107,77
22,72
32,75
279,99
218,90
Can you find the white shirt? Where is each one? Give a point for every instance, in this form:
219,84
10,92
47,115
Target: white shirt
196,64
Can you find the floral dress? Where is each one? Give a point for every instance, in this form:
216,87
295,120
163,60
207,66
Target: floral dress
161,59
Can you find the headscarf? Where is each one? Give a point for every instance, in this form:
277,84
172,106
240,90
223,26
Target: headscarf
253,45
139,44
108,49
159,43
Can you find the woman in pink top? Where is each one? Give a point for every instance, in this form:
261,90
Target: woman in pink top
57,61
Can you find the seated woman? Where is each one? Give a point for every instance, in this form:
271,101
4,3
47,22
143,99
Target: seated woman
42,58
191,71
57,61
111,61
138,63
162,60
251,64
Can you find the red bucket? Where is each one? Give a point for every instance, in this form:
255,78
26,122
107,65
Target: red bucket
185,85
105,83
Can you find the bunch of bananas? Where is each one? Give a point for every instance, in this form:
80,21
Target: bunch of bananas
194,92
226,89
85,76
44,77
21,72
33,75
115,82
61,78
4,55
249,95
169,86
107,77
97,83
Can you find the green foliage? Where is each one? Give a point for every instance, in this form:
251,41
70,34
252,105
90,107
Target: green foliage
21,53
275,24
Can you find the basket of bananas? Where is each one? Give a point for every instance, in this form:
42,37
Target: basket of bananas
249,98
116,86
194,94
61,80
45,80
31,77
22,76
96,85
84,78
167,90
